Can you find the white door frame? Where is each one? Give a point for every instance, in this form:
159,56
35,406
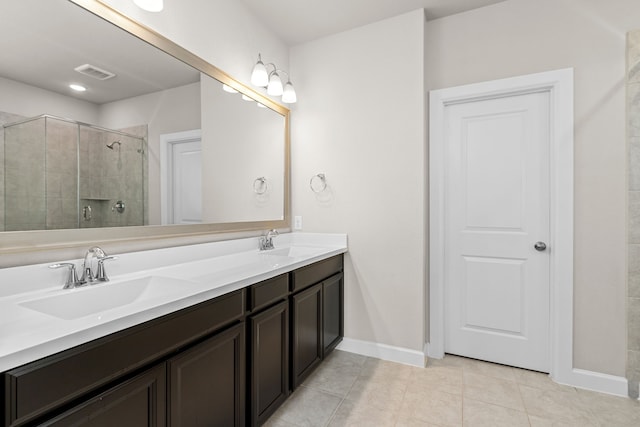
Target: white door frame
559,84
166,142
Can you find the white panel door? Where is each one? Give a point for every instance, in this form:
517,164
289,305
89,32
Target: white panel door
186,186
497,209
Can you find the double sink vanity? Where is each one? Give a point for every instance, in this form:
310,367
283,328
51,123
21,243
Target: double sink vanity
215,334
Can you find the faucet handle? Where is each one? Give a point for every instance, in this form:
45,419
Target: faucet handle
72,278
101,274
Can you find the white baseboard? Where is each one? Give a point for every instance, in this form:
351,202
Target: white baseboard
384,352
579,378
595,381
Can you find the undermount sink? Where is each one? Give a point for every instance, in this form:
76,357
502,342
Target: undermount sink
295,251
81,302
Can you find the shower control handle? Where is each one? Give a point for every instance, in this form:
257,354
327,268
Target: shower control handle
118,207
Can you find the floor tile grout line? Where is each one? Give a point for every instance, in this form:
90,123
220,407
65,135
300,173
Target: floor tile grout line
363,373
343,398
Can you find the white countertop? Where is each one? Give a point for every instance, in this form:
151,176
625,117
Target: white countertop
188,275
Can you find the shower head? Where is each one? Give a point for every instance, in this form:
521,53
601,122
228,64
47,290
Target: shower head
110,146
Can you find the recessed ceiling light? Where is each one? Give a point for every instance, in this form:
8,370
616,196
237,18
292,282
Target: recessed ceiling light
77,88
246,98
150,5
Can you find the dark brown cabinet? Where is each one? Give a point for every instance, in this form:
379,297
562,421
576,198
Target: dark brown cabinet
317,319
269,361
306,333
139,401
229,361
45,388
206,382
332,312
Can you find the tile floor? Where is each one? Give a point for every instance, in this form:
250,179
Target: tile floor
353,390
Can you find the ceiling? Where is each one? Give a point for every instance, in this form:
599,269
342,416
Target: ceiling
300,21
43,52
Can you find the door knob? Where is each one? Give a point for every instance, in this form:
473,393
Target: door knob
540,246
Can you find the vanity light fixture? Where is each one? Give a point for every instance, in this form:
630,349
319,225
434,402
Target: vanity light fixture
77,87
228,88
261,77
150,5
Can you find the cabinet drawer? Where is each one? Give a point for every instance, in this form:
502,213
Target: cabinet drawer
264,293
140,401
314,273
40,386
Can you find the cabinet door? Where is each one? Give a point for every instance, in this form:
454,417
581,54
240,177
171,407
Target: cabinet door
206,383
306,330
139,401
269,361
332,312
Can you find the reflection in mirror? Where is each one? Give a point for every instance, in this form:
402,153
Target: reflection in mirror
64,174
234,182
151,141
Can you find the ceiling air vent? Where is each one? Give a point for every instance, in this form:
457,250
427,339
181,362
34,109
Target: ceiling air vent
95,72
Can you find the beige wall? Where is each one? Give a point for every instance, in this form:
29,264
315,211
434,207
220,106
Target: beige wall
633,287
523,36
360,121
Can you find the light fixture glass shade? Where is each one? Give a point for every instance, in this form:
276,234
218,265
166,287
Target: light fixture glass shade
289,94
275,85
259,75
246,98
228,88
150,5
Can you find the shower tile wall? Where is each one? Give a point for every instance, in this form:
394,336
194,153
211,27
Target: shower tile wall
61,175
142,131
633,288
42,180
25,185
108,176
4,119
40,175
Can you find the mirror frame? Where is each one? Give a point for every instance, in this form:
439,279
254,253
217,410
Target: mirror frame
18,242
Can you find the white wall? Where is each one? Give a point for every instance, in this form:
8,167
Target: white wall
242,142
360,121
223,32
524,36
25,100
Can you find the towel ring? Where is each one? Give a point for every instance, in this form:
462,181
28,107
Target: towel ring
313,183
260,185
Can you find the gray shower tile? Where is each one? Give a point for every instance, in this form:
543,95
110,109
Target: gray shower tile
633,109
633,324
634,216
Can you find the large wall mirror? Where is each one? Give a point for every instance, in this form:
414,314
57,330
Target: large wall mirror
161,143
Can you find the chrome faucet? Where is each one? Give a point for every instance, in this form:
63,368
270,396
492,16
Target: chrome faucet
266,242
72,279
87,267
